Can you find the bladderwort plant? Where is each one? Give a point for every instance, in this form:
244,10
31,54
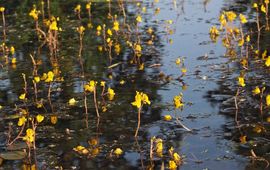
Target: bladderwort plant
140,100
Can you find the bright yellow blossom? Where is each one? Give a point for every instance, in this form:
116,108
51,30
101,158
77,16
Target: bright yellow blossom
22,121
241,81
256,90
172,165
140,98
178,101
30,135
2,9
268,100
111,94
118,151
39,118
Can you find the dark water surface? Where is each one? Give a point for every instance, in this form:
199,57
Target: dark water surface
207,83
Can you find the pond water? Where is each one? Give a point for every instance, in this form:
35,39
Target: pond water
179,29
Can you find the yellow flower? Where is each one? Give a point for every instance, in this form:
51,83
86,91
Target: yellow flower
22,121
90,86
12,50
72,102
99,28
184,70
140,98
37,79
39,118
256,90
268,100
22,96
2,9
243,19
241,81
172,165
214,31
177,158
178,61
30,135
77,9
178,101
122,82
159,147
167,117
117,48
118,151
263,9
255,5
109,32
247,38
243,139
139,18
231,15
88,6
266,2
54,119
50,77
222,20
267,62
34,14
102,83
81,29
53,26
13,60
141,66
110,94
116,26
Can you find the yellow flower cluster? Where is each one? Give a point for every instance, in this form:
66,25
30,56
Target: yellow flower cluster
140,99
30,135
34,13
91,86
178,101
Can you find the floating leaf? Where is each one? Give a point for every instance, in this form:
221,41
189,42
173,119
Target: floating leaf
17,146
13,155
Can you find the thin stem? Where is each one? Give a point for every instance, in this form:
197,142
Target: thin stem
139,121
